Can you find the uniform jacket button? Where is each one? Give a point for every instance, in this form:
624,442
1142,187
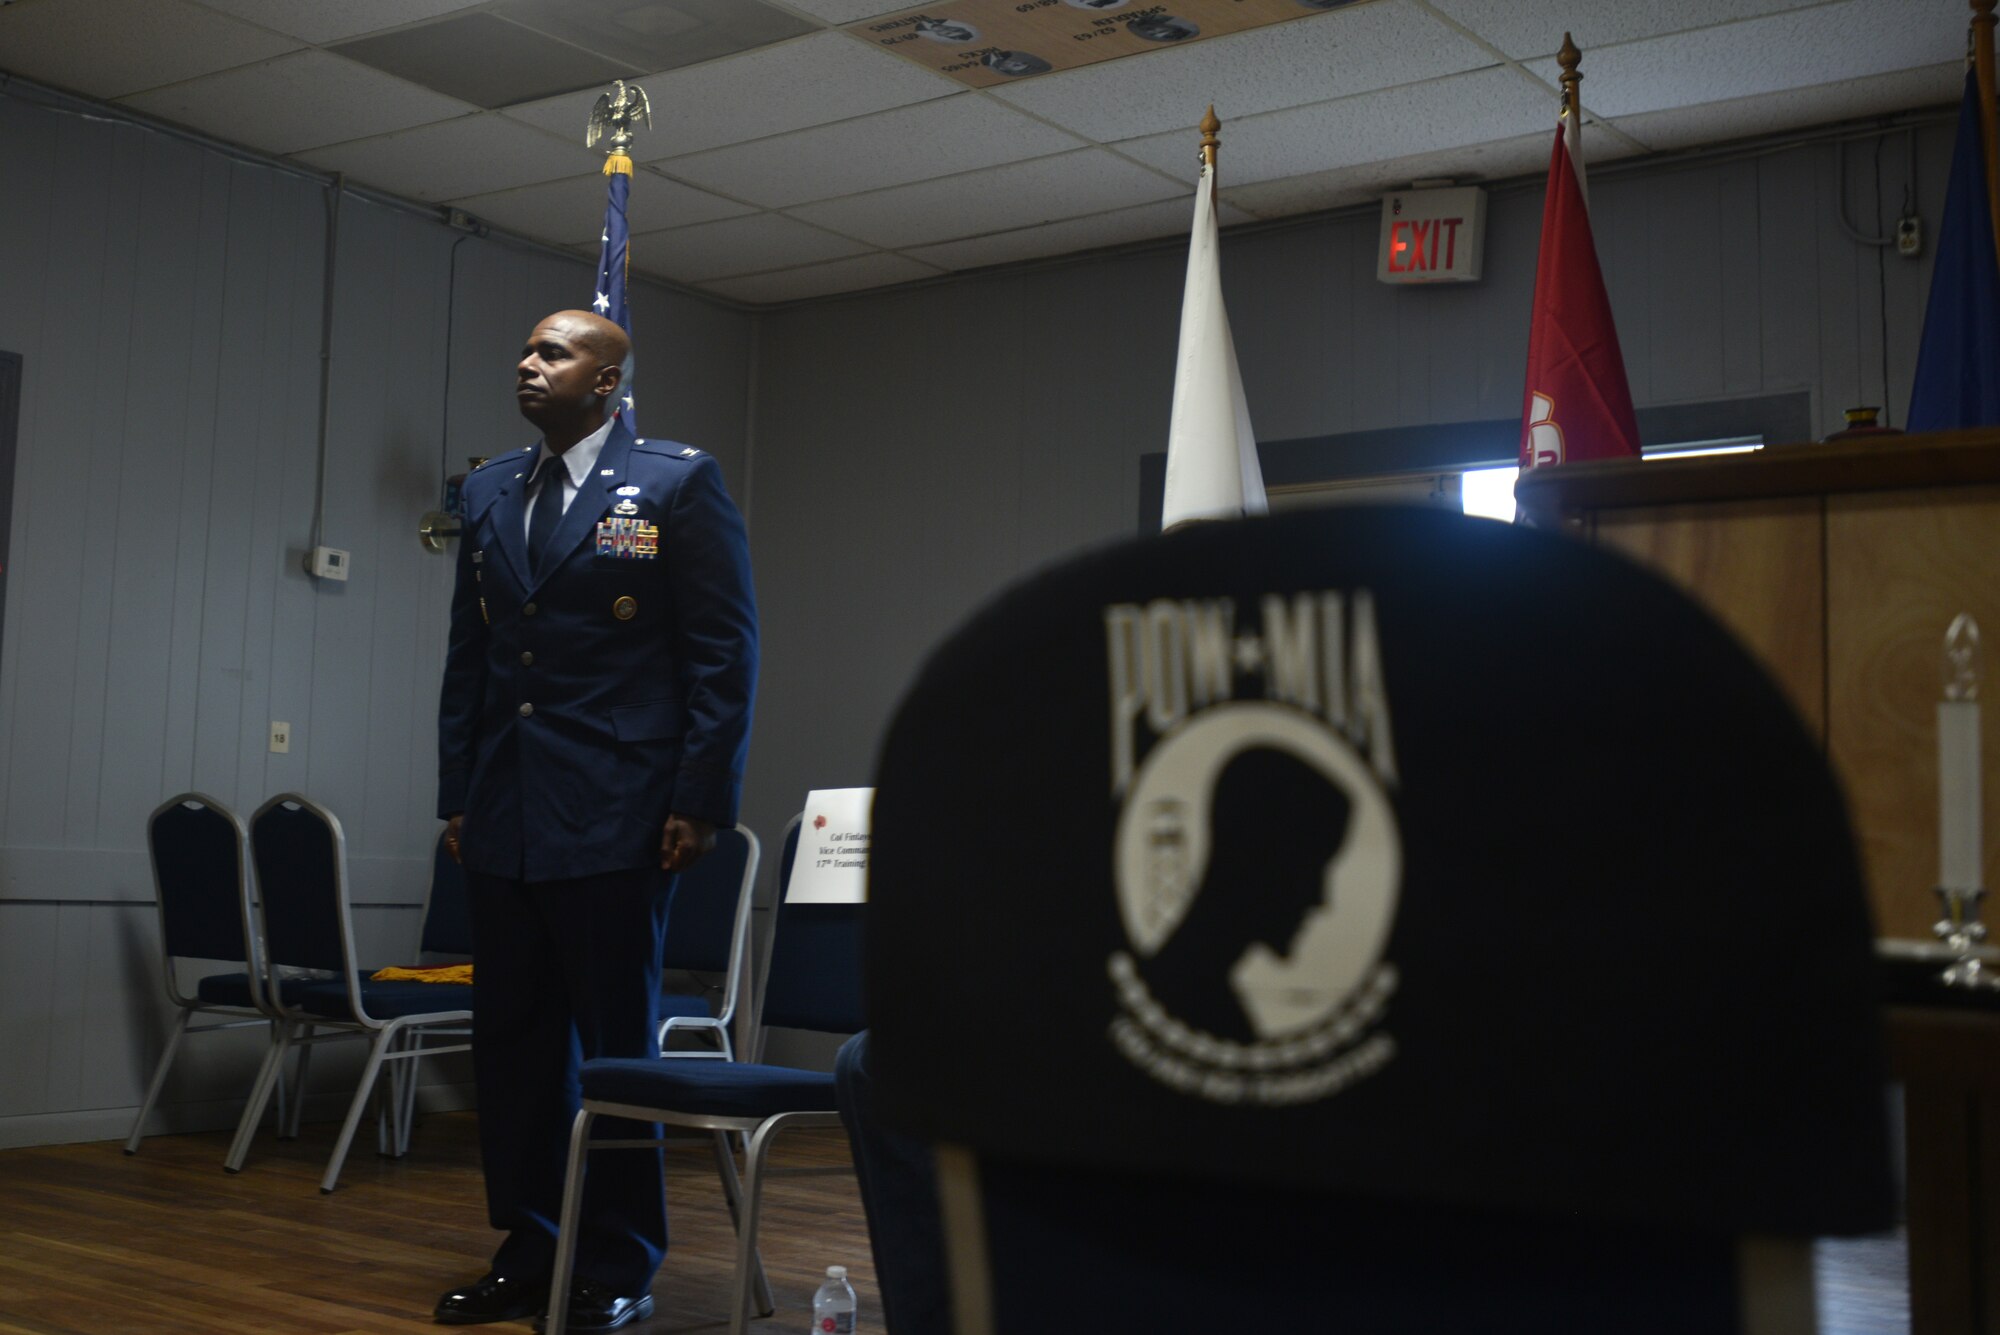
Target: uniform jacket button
527,658
528,610
527,710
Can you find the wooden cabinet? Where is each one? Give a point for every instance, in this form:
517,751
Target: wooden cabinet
1839,566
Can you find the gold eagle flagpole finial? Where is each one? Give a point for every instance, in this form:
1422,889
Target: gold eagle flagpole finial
614,114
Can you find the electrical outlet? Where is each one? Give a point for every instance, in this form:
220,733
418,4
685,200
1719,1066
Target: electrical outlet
281,737
1910,237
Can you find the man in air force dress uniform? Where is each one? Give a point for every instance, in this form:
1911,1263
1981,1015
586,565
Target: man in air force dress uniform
595,715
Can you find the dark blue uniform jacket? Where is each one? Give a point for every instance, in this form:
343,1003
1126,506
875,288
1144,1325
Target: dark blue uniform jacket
582,704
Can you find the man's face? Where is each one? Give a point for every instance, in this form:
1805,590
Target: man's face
559,374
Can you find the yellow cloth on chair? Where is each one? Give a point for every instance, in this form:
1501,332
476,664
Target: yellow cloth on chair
432,973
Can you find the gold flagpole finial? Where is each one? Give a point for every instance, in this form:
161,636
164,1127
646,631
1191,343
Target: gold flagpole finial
1569,58
1209,142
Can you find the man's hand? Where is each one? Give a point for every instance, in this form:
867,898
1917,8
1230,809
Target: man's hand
684,840
451,836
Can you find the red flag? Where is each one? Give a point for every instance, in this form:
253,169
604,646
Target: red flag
1577,404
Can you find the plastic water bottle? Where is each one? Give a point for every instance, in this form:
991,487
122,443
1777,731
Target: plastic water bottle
833,1305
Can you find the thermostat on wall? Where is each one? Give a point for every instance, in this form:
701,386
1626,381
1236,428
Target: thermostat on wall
327,563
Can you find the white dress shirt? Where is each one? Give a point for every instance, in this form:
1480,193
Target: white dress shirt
576,464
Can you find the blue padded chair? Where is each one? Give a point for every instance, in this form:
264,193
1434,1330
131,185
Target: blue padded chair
301,859
814,982
201,882
708,931
1431,924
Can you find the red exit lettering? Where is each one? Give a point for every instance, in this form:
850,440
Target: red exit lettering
1413,246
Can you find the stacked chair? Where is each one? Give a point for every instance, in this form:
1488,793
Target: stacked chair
301,861
1430,924
201,882
813,982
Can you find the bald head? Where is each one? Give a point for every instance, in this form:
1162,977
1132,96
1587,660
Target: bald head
610,344
568,374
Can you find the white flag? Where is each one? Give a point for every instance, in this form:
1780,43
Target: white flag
1212,470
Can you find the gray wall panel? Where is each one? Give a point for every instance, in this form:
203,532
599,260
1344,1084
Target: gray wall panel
888,507
167,301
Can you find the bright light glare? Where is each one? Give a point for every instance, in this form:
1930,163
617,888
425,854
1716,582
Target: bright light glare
1489,492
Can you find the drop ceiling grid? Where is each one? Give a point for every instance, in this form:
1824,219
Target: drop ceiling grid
1822,45
111,48
820,162
1307,60
301,100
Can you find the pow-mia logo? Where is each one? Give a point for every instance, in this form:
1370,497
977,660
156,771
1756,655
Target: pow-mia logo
1258,857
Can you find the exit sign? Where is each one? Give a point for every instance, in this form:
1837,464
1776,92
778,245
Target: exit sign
1432,236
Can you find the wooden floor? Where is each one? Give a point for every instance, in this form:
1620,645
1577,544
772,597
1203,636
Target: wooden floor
165,1242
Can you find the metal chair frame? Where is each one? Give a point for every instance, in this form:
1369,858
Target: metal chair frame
259,1012
719,1027
743,1193
392,1041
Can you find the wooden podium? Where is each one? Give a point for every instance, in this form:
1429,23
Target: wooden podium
1839,566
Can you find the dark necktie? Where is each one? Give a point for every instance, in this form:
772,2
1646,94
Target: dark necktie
548,508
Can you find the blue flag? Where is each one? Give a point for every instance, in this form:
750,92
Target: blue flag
1958,364
612,266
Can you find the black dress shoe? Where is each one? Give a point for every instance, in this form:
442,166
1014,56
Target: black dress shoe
491,1297
594,1307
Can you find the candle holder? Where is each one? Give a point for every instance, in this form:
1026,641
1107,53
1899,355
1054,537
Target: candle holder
1959,810
1962,933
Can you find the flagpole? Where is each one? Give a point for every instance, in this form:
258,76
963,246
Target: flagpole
1989,120
1569,57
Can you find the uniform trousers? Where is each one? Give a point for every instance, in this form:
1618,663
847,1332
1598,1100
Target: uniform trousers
565,971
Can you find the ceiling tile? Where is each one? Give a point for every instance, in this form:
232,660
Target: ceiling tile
1286,64
303,100
1168,217
736,246
1000,198
1771,113
331,20
108,48
658,34
1486,104
916,143
822,280
813,81
571,211
846,11
1364,182
1848,40
473,155
485,60
1524,28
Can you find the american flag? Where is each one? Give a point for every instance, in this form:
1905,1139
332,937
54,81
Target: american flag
612,266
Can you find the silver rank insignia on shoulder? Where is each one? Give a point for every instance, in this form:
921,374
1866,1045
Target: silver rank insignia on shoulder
690,452
625,508
628,491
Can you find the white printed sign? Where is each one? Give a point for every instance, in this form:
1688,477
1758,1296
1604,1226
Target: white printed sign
831,866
